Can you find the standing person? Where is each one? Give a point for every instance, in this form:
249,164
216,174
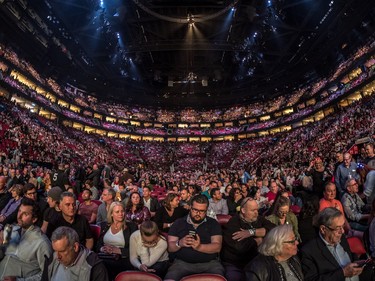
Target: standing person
277,259
94,175
148,249
241,236
328,256
68,217
4,194
345,171
60,178
319,174
196,241
87,208
369,185
170,211
114,239
71,261
27,247
108,197
135,209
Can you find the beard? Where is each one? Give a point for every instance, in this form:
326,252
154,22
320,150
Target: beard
196,221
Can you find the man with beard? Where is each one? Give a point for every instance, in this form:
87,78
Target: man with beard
25,246
196,242
241,237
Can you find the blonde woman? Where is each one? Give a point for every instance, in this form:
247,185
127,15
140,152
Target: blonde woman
114,240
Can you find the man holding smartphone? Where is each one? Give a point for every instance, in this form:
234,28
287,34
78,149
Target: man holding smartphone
196,242
328,256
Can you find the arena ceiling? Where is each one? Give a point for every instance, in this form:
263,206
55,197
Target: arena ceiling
195,53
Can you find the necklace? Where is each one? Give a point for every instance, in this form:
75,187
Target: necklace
116,227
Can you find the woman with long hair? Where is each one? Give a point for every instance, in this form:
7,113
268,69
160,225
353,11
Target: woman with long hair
8,214
135,209
148,249
114,240
171,210
234,201
282,215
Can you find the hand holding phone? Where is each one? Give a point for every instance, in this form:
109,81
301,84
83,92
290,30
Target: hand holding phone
193,234
363,263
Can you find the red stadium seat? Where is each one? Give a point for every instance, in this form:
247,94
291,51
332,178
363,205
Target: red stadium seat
356,246
97,202
204,277
95,229
137,276
223,219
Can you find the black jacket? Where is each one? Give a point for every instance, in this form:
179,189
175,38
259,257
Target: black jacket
239,253
318,264
104,227
266,268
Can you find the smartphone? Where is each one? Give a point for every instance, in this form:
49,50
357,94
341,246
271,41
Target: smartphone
363,263
193,234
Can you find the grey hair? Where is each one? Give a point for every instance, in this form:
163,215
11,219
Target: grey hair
64,231
67,194
272,244
326,216
347,183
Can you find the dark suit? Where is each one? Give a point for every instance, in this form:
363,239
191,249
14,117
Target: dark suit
318,264
154,204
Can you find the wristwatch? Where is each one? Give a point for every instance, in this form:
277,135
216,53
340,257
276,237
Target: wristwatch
178,243
252,231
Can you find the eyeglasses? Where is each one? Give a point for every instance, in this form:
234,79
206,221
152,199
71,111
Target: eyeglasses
336,229
201,212
281,213
291,241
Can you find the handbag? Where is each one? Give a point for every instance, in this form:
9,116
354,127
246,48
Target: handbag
106,256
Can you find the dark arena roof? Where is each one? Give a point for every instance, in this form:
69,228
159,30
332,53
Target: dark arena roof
186,53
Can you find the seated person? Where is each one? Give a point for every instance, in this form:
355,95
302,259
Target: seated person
282,215
277,259
170,211
69,217
87,208
354,206
135,209
217,205
24,254
151,203
53,211
196,241
8,214
234,201
114,238
71,260
148,249
328,256
241,236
